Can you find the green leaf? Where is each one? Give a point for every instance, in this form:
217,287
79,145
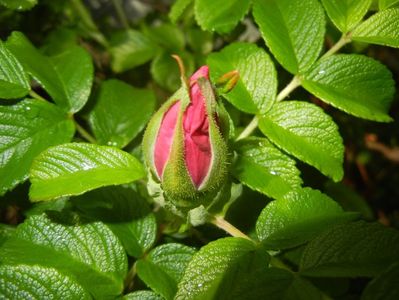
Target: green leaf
353,83
264,168
349,250
13,80
125,212
75,70
26,129
120,113
129,49
89,253
385,286
219,15
167,36
297,218
142,295
384,4
381,28
178,9
67,77
293,30
18,4
55,172
6,231
302,289
346,14
36,282
165,70
163,268
305,131
230,268
256,89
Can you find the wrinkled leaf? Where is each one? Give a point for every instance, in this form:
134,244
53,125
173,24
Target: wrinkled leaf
13,80
346,14
384,4
305,131
353,83
26,129
298,217
120,113
381,28
55,172
384,286
293,30
264,168
142,295
256,89
18,4
350,250
89,252
36,282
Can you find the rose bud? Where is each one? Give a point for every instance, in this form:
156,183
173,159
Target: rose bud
185,143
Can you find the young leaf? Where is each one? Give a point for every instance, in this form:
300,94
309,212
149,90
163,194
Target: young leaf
230,268
18,4
129,49
353,83
120,113
67,77
305,131
219,15
349,250
384,4
142,295
163,268
89,252
178,8
125,212
56,171
346,14
36,282
264,168
26,129
293,30
13,80
298,217
381,28
256,88
385,286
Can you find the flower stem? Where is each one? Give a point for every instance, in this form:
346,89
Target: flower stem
35,95
229,228
83,132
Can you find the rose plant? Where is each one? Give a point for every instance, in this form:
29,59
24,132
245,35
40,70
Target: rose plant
212,152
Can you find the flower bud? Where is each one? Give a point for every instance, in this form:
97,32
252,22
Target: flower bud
185,144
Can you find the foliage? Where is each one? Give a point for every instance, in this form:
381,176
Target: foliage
77,89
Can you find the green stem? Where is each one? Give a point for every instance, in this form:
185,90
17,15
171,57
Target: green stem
294,83
345,39
229,228
84,133
35,95
249,129
129,280
87,20
121,14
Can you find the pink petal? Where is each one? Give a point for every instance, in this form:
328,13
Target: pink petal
164,140
197,146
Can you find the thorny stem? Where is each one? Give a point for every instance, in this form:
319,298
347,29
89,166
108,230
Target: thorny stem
294,83
84,133
121,13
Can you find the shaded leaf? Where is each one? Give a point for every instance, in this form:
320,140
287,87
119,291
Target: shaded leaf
18,4
384,286
178,8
